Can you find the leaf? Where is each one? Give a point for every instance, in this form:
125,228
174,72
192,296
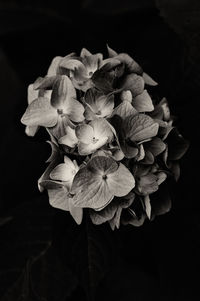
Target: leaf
140,127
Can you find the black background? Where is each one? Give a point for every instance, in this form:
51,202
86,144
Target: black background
43,254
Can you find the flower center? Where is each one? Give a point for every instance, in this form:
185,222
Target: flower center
104,177
60,111
90,73
94,140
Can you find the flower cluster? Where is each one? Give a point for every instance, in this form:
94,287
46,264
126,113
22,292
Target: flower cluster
113,146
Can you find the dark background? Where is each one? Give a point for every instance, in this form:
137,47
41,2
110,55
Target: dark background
43,254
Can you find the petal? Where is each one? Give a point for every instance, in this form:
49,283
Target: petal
147,206
111,52
100,217
86,149
32,94
124,110
115,221
102,165
84,133
75,110
53,68
156,146
63,90
161,177
143,102
92,62
31,130
40,112
148,80
121,182
63,172
59,198
70,138
76,213
131,65
101,129
89,191
140,127
80,72
177,145
134,83
126,96
44,83
85,52
88,113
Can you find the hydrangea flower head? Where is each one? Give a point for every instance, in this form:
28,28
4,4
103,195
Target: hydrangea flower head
114,146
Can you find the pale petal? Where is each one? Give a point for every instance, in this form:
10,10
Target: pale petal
143,102
85,52
70,138
62,172
40,112
31,130
121,182
44,83
126,96
89,190
63,90
76,213
75,110
59,198
148,80
53,68
32,94
84,133
86,149
101,129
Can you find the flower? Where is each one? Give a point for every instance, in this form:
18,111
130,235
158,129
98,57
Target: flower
45,112
95,185
114,146
93,136
98,104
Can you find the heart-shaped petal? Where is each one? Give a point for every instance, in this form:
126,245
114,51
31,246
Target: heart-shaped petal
40,112
143,102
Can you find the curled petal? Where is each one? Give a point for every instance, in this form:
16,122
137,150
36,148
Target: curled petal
148,80
134,83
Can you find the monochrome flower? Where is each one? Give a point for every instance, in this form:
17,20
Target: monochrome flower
114,145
